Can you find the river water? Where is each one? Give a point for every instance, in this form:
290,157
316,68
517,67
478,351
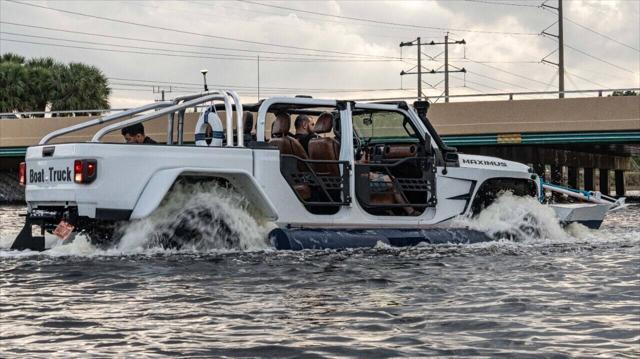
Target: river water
564,293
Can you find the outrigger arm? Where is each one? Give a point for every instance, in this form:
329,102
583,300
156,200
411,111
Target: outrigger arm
588,196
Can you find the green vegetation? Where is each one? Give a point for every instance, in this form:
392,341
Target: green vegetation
32,85
624,93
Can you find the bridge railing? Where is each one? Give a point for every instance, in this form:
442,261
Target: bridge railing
513,95
484,97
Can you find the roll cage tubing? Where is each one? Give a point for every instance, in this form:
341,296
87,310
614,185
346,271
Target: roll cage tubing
214,95
239,117
408,112
223,95
102,119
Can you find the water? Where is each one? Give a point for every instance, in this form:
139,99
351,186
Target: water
553,293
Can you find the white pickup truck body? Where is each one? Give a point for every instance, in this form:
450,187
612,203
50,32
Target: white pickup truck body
130,180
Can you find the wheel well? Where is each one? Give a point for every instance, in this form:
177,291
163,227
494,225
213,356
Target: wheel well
239,183
490,189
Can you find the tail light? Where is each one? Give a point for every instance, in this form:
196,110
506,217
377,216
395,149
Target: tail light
85,171
22,174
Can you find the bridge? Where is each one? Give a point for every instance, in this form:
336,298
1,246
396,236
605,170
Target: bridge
575,141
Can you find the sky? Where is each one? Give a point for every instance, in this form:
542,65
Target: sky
330,49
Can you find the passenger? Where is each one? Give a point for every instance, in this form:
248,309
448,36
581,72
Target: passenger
304,131
248,127
135,134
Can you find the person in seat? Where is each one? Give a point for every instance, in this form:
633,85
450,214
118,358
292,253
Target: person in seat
304,131
248,127
135,134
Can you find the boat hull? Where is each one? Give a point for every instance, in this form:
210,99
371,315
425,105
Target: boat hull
589,215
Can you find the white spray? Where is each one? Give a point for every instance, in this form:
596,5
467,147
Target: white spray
207,217
517,218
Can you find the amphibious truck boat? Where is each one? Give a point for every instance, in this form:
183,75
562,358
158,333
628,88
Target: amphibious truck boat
374,172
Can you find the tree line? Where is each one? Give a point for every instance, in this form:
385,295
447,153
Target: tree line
40,84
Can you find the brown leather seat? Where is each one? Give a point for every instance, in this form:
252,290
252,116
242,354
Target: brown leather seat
325,148
281,137
290,146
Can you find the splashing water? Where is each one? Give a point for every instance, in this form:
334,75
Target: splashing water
199,217
202,218
192,218
521,219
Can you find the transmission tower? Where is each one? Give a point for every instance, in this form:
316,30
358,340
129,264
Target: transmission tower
161,91
560,37
419,68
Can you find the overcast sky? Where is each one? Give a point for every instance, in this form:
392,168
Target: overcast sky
334,53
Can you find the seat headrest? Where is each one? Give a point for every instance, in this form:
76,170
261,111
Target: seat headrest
324,123
248,122
281,126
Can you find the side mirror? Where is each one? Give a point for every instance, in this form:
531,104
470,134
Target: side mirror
451,157
368,121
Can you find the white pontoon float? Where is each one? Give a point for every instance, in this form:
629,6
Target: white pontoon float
590,214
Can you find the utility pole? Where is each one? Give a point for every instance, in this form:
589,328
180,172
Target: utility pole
258,78
161,91
446,67
560,38
446,71
415,42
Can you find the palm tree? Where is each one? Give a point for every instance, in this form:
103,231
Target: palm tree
11,57
42,80
12,83
82,87
32,85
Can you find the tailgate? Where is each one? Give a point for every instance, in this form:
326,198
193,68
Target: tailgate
49,173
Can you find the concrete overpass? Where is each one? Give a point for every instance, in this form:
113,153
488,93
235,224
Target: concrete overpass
559,137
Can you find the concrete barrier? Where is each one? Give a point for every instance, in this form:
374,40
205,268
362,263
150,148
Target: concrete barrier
456,118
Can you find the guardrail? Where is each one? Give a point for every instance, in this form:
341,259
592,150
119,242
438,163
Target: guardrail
73,113
511,95
508,95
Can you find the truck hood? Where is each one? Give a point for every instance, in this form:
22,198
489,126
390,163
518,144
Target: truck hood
493,163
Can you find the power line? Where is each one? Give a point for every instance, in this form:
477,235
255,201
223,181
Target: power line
477,83
224,56
473,89
597,58
589,81
190,32
163,42
197,86
498,80
601,34
507,72
180,53
501,3
315,19
496,62
386,22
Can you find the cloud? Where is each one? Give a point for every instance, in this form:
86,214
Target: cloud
506,53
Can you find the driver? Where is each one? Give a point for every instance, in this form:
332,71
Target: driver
135,134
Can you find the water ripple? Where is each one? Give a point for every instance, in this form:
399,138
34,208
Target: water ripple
548,298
